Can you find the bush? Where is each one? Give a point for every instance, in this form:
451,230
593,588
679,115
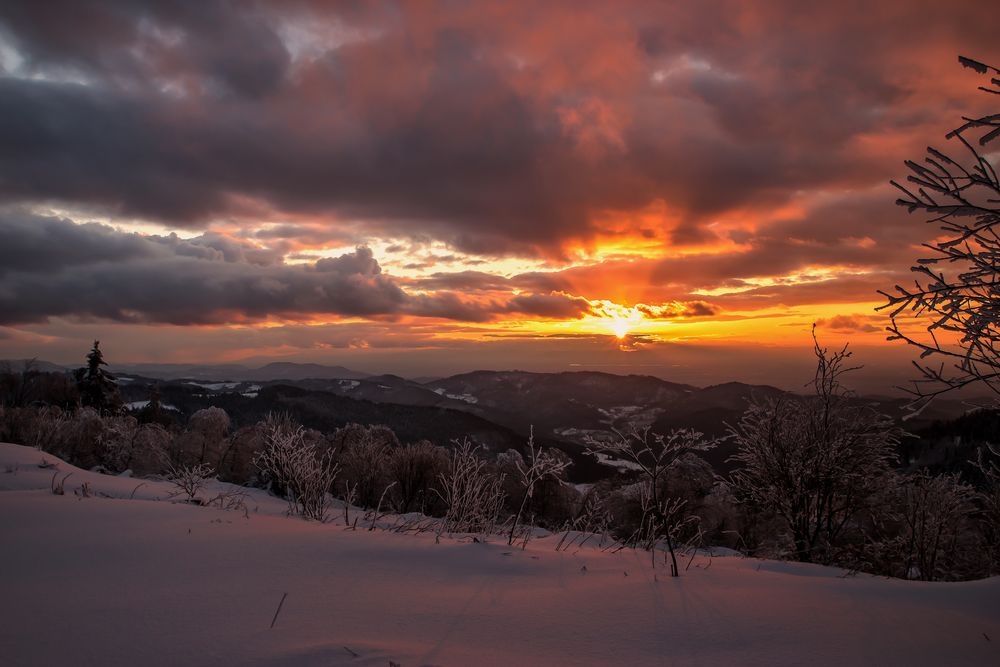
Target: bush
189,480
363,455
295,469
204,439
472,495
415,471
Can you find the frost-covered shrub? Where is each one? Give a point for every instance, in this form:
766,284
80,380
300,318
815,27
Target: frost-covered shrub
924,529
237,462
529,473
32,426
363,454
117,441
472,494
415,471
295,468
204,439
79,442
988,499
150,450
663,515
189,479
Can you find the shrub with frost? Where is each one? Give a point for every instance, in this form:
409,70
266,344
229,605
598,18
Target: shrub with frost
472,494
662,513
363,456
294,467
189,479
538,466
415,470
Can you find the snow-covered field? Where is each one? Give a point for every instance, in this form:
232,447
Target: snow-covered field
114,581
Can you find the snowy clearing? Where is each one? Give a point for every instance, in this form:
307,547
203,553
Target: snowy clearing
112,581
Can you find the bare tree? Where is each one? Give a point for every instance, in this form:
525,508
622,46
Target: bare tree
961,194
814,461
654,455
540,465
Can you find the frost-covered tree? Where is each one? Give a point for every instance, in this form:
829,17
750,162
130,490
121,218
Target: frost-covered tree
654,455
98,388
956,290
813,461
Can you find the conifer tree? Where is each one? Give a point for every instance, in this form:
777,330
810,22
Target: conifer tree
98,388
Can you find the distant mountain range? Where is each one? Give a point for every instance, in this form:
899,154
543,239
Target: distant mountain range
497,408
279,370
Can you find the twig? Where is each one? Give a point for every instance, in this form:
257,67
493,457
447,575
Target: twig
278,610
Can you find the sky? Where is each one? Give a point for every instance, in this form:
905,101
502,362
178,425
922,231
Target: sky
680,189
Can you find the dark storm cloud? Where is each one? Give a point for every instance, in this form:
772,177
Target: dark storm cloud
224,47
461,124
52,267
127,277
556,305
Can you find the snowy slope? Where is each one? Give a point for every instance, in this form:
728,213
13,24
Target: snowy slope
113,581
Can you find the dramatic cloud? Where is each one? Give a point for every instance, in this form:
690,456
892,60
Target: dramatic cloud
53,267
91,270
431,173
461,123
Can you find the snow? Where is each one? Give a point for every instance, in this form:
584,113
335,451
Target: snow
618,464
636,415
112,581
348,385
468,398
216,386
139,405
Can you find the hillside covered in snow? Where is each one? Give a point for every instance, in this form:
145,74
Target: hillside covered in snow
116,572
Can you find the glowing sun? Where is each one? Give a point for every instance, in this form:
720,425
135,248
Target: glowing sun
620,326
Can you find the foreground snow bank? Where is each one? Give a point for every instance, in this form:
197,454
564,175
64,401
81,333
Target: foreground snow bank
111,581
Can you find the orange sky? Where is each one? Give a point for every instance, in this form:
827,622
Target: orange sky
429,188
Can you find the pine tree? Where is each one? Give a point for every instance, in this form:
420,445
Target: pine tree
98,388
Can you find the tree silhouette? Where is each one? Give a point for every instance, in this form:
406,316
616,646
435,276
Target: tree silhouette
961,194
98,388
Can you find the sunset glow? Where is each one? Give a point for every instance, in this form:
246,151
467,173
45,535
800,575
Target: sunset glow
373,185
